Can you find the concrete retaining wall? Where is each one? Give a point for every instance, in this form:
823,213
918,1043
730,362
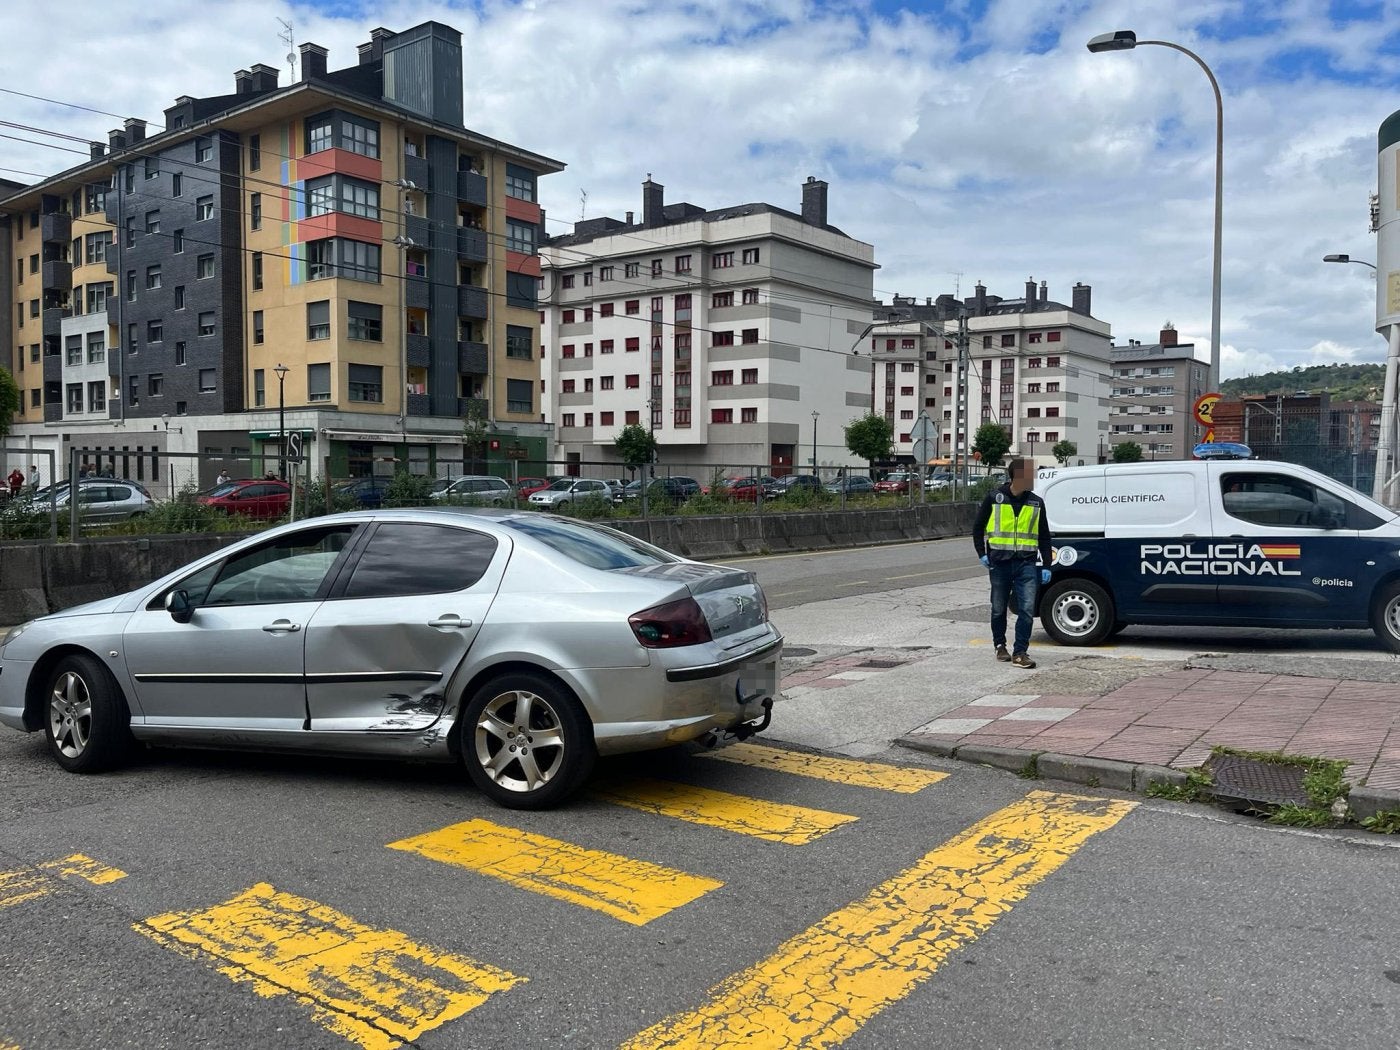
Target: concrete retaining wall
39,578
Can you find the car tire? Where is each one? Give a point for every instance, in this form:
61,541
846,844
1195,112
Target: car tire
1077,612
86,721
1385,616
554,723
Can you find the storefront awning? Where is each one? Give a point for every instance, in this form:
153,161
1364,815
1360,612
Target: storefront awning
369,438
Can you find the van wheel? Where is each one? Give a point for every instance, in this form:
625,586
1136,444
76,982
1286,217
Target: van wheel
1385,616
1077,612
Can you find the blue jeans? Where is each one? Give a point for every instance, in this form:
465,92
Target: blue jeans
1018,577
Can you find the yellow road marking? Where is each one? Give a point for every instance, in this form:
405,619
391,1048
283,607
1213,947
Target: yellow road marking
821,986
775,821
375,987
27,884
904,780
634,891
22,884
84,867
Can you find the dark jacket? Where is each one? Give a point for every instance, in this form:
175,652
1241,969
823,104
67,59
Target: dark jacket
984,514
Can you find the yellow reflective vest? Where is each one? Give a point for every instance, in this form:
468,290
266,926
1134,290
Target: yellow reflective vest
1011,532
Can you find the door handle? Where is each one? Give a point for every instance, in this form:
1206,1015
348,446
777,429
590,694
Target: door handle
282,627
449,620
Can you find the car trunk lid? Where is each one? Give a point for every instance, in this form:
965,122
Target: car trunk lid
731,599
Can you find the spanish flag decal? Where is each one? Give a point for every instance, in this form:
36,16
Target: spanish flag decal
1280,550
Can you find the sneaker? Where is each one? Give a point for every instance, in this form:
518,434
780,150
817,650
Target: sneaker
1022,660
1002,654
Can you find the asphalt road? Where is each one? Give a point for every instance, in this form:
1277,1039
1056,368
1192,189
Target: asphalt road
759,896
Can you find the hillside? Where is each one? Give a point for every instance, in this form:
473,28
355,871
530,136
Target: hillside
1343,382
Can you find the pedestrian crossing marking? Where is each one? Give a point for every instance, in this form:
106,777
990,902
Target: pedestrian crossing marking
635,891
818,989
903,779
27,884
774,821
84,867
374,987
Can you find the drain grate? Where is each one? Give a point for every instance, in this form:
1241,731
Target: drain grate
881,665
1251,780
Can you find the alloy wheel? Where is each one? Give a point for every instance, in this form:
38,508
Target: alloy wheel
520,743
70,715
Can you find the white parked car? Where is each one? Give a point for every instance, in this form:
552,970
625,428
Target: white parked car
571,490
477,490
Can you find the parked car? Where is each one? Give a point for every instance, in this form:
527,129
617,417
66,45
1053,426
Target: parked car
527,487
253,498
747,489
938,480
99,500
852,485
676,488
408,634
790,483
898,481
366,492
478,489
571,490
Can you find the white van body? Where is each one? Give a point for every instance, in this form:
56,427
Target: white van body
1237,542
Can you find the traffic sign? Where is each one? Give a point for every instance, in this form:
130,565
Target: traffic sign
924,448
1204,407
294,447
923,430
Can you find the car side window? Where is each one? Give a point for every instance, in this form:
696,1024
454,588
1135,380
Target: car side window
1283,500
291,568
407,558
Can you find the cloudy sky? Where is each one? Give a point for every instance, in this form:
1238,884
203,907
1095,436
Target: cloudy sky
966,140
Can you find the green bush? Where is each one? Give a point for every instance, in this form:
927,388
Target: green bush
409,490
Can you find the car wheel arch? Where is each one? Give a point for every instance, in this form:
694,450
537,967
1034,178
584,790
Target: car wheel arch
36,697
1076,574
501,669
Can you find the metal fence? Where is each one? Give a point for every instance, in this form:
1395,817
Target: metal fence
1340,442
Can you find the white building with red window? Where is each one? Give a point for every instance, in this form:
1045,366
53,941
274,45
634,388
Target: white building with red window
734,334
1040,368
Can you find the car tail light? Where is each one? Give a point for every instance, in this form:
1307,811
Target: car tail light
673,624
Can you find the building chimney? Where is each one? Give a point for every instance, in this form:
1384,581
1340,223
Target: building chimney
814,201
377,39
366,51
313,61
1030,293
96,150
116,139
979,299
653,201
135,130
264,78
242,82
629,218
1044,293
1080,303
1167,336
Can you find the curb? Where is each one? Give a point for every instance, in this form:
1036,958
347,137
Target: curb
1137,777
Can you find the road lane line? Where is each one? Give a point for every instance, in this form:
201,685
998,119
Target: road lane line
27,884
23,884
822,985
774,821
374,987
634,891
904,779
84,867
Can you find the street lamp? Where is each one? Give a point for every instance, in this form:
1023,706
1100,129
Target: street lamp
1342,257
1385,445
1126,40
815,414
281,371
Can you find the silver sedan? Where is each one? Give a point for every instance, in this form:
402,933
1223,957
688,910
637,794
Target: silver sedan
521,645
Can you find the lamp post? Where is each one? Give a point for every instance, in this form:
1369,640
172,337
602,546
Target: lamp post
281,371
815,414
1385,444
1126,40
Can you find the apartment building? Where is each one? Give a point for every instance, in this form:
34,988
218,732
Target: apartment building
732,333
1038,367
1155,387
341,252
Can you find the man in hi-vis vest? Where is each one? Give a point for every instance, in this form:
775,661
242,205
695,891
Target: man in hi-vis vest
1010,534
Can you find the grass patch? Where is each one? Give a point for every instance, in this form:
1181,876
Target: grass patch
1386,822
1196,789
1031,770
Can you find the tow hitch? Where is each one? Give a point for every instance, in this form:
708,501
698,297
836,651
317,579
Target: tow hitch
744,730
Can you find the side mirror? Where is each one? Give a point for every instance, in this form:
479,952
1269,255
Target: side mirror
177,603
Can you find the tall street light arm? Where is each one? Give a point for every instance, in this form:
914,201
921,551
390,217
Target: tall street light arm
1342,257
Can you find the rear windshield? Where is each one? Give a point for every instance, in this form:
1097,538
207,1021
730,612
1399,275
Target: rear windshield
592,545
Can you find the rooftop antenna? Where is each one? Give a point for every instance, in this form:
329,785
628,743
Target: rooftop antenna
957,283
287,37
582,204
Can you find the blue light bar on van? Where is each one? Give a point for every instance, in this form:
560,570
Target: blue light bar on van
1222,450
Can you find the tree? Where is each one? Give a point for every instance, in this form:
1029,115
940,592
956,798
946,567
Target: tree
1064,451
991,442
474,430
635,445
1127,452
870,437
9,401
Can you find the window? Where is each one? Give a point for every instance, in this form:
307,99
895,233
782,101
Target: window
748,415
206,380
750,376
722,377
520,183
750,335
318,134
520,396
259,388
721,260
365,322
588,279
152,168
520,237
257,327
633,344
605,309
605,419
318,319
588,385
97,295
96,348
632,418
97,396
907,366
95,199
255,210
633,306
1032,388
605,273
1052,436
179,353
131,337
318,382
566,386
1034,337
907,413
721,299
605,346
1052,337
567,419
750,256
721,415
257,271
567,281
155,384
152,276
721,338
177,242
179,297
359,136
567,350
254,152
1052,388
73,350
204,208
682,264
632,269
152,222
366,383
206,323
203,150
204,267
567,317
1033,362
130,291
906,391
155,331
177,185
632,381
451,559
340,257
587,314
1033,413
605,382
75,397
1052,411
1008,339
520,342
1052,362
587,349
656,267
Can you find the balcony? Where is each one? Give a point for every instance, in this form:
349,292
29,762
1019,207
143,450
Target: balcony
471,244
417,229
114,309
419,404
471,301
58,275
480,405
419,351
111,208
416,293
415,170
114,258
471,187
52,320
471,357
53,369
53,412
56,227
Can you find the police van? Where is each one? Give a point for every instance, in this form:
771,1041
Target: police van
1221,540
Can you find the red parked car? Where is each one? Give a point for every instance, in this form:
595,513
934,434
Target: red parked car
526,487
897,481
746,489
250,497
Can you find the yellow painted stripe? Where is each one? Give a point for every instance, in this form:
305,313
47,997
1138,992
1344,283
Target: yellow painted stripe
821,986
83,867
905,780
634,891
774,821
374,987
22,884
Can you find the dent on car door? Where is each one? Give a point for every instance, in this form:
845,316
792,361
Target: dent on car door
237,662
381,651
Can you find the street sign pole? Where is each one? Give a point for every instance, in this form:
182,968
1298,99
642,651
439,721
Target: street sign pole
923,434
